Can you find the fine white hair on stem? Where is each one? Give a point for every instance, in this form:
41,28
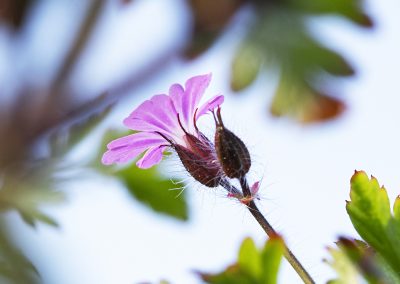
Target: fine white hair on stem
182,189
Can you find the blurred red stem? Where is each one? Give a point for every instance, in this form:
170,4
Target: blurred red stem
79,44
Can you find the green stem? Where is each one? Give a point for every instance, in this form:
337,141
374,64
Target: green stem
290,257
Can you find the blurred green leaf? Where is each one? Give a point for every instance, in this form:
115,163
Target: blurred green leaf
249,258
355,260
15,268
27,192
150,188
350,9
108,136
364,260
271,257
396,208
297,100
245,67
147,186
279,38
370,213
232,275
254,266
346,271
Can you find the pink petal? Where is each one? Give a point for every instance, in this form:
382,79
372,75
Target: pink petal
254,188
210,105
152,157
129,147
176,94
194,90
156,114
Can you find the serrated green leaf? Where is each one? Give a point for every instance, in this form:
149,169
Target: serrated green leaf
369,208
150,188
370,213
396,208
254,266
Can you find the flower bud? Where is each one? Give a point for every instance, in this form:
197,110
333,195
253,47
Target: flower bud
231,151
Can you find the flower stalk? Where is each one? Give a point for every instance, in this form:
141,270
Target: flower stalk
235,161
290,257
168,122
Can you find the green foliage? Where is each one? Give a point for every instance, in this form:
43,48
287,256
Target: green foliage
32,184
15,268
297,99
154,191
253,266
147,186
278,36
245,67
356,260
28,192
378,258
346,271
349,9
280,39
370,213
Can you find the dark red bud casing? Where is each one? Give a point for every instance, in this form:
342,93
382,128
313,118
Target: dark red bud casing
200,159
231,151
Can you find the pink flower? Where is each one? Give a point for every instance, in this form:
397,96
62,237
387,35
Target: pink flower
163,121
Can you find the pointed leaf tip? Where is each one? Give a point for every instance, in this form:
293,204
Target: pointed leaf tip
370,213
396,208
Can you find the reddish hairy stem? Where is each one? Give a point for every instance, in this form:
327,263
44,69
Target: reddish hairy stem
290,257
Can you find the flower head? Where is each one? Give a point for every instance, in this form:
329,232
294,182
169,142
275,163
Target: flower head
168,121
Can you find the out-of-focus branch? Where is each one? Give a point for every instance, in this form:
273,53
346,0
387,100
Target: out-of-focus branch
35,112
109,97
78,45
14,12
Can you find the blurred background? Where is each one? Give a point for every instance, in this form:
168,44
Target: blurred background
310,86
